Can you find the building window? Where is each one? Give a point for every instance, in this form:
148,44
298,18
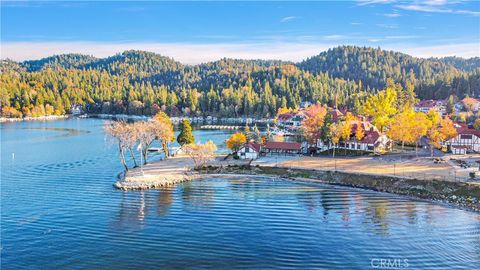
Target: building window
466,137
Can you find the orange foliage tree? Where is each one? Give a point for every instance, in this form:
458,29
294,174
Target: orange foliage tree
313,122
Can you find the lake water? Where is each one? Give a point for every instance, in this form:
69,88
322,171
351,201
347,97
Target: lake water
59,210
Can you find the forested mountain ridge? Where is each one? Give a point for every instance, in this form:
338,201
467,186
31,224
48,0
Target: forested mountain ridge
138,82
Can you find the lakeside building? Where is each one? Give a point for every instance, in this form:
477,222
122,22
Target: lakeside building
285,148
250,151
426,105
373,140
467,140
291,120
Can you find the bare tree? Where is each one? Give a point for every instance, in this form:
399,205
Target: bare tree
117,131
146,133
131,139
200,153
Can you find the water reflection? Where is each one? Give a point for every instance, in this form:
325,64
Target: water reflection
165,200
132,211
198,196
377,214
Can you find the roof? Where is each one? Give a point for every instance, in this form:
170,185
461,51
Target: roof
429,103
336,114
285,116
254,146
366,126
464,129
370,137
283,145
470,103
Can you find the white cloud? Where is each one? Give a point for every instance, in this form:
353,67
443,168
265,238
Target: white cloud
287,19
437,7
461,50
392,15
183,52
401,37
335,37
388,26
373,2
199,53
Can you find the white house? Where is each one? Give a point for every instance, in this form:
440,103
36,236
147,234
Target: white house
373,140
467,138
291,120
459,149
426,105
249,151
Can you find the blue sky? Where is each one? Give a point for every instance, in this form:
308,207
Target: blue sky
194,32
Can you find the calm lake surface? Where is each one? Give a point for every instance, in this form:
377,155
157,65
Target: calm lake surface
59,210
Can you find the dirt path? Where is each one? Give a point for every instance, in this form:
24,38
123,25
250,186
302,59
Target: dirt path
422,168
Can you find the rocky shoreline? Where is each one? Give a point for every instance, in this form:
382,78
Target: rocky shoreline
459,194
179,169
148,181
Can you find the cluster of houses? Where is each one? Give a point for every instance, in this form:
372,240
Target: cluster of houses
440,105
373,141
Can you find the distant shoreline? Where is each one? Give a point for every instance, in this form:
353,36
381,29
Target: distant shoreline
39,118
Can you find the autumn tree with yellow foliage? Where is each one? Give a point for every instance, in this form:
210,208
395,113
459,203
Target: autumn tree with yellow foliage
346,127
164,131
381,107
418,129
335,133
402,125
236,141
359,132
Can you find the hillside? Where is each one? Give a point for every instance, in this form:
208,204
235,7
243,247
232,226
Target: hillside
138,82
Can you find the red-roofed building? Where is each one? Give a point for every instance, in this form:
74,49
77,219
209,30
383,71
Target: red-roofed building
282,148
426,105
372,141
467,138
336,115
291,120
471,104
250,151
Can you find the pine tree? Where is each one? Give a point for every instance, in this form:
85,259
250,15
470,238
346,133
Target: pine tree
247,132
186,135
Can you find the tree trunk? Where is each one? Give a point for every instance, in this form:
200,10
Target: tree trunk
122,158
133,157
403,144
431,150
333,151
416,145
144,153
165,149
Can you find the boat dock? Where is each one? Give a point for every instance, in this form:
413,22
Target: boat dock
220,127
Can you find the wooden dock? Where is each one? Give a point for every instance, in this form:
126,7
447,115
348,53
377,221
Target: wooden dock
220,127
